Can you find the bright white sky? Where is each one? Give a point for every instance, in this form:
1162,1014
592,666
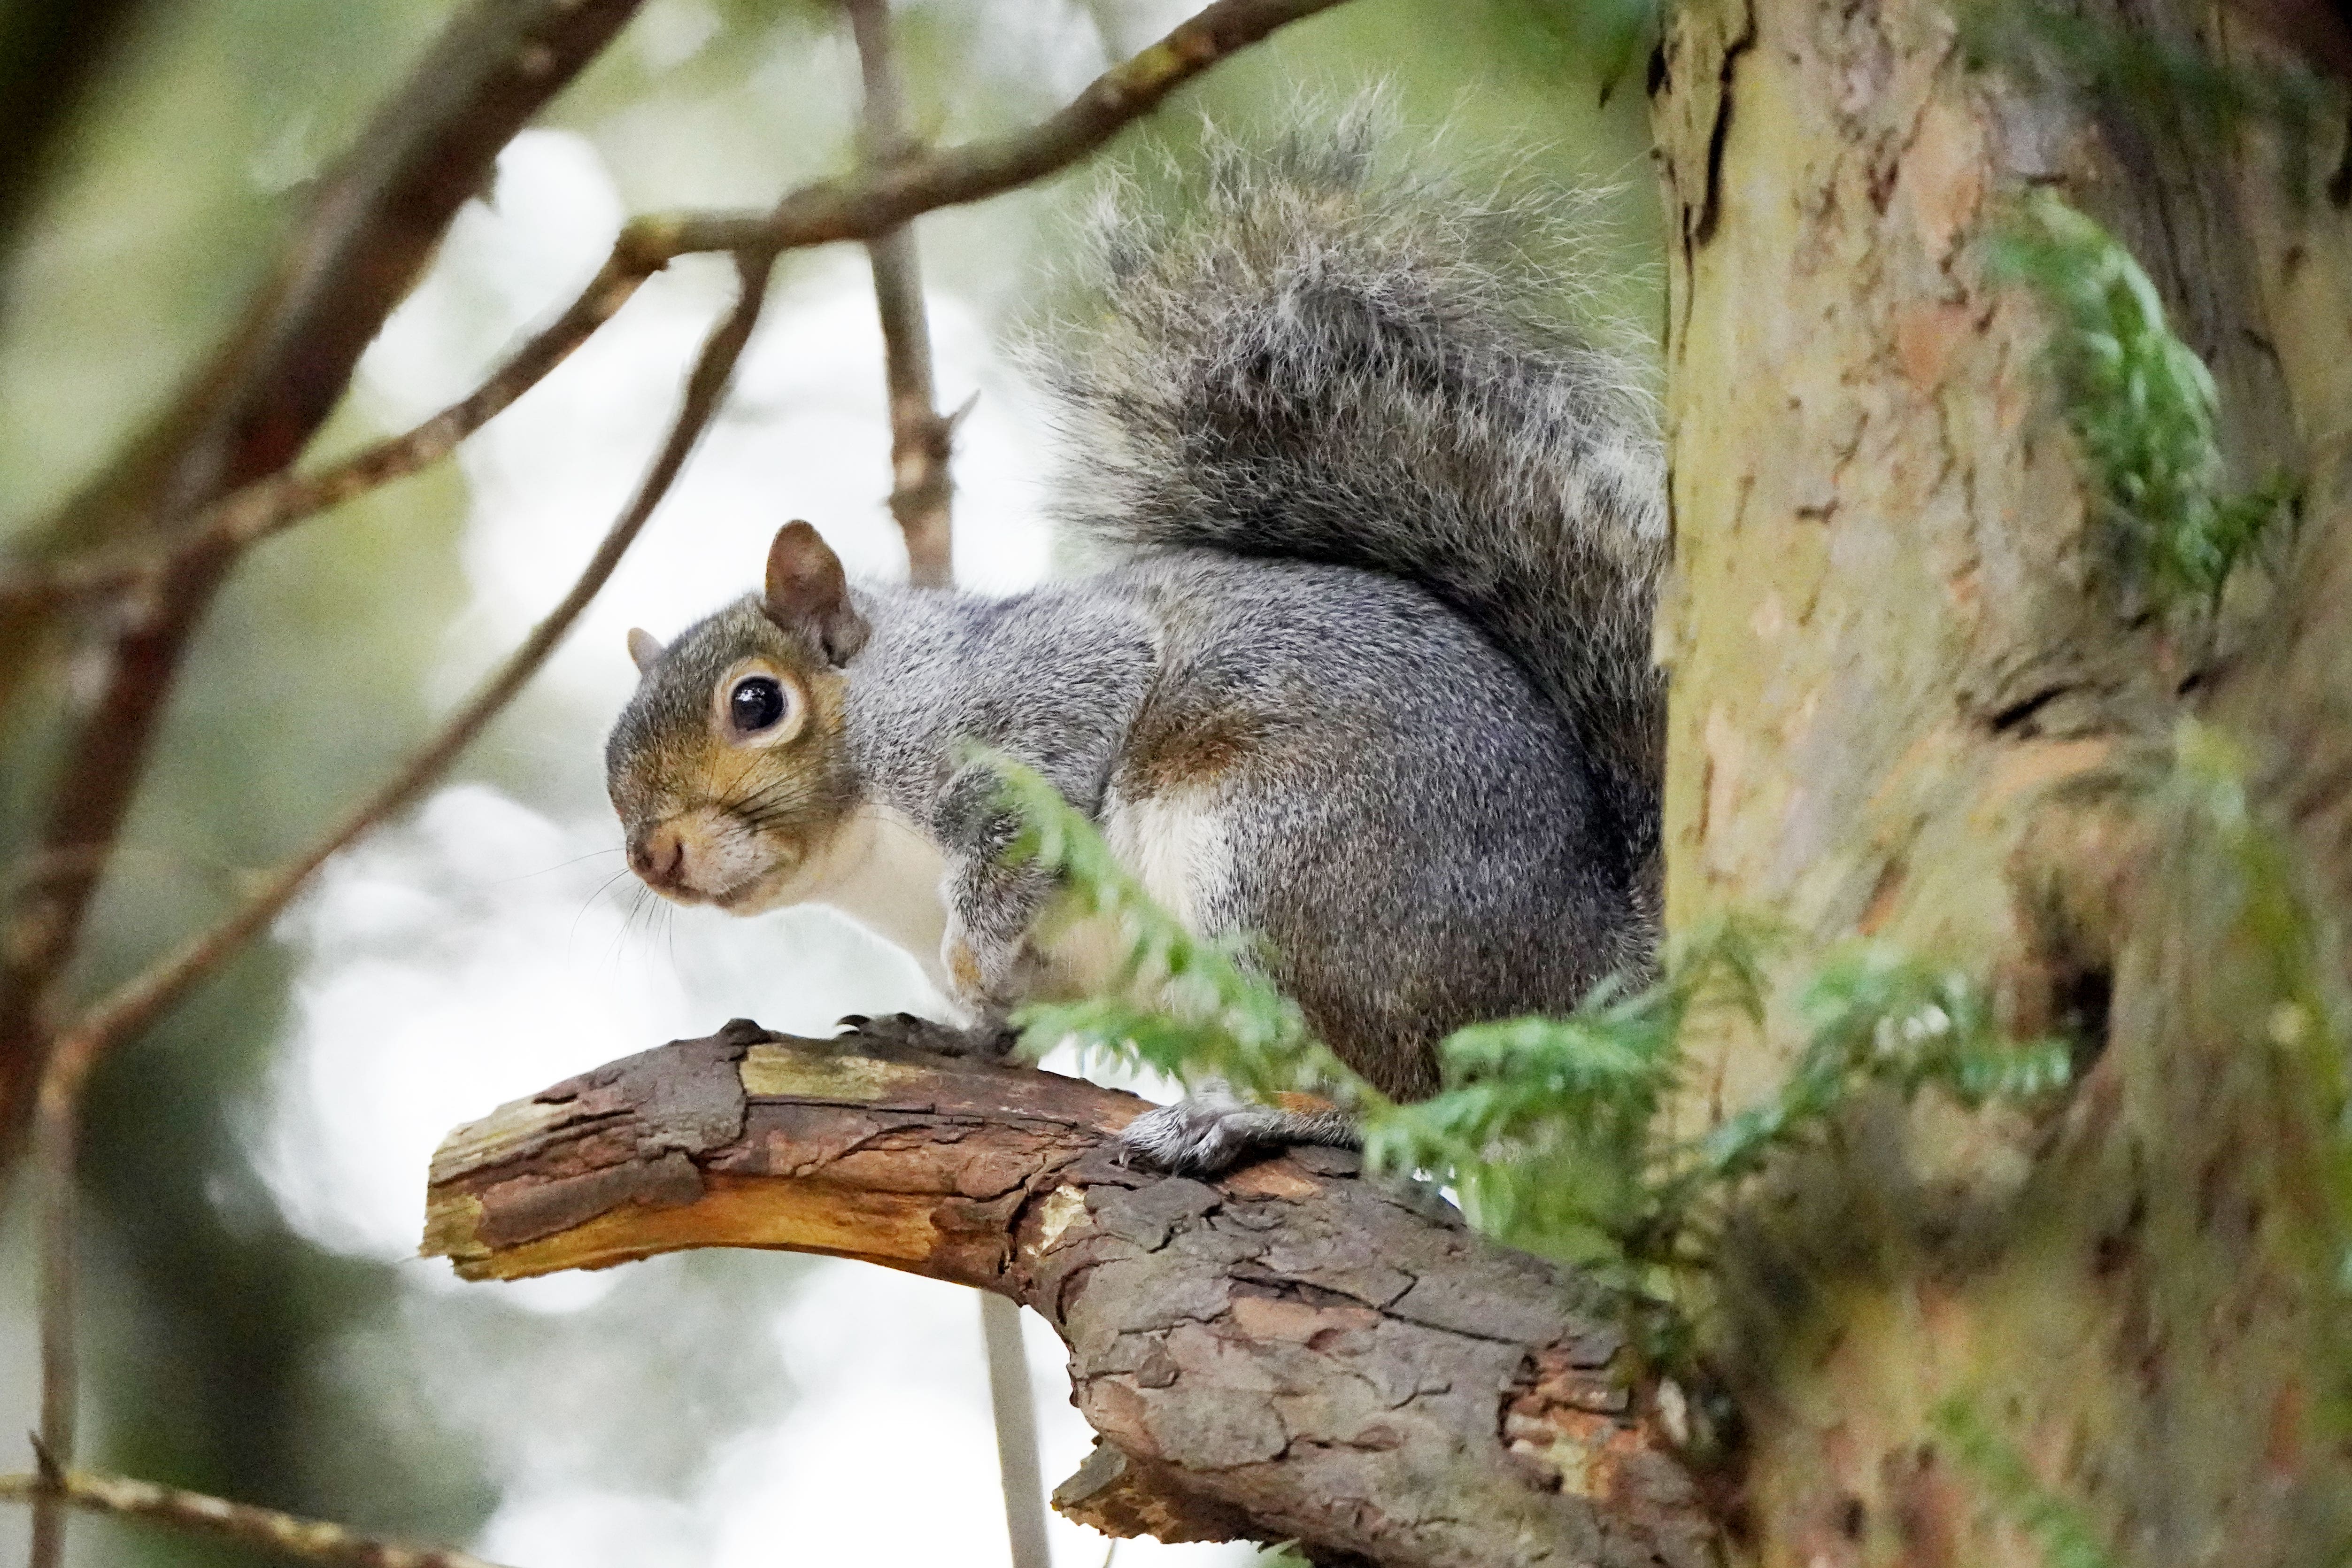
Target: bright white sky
483,920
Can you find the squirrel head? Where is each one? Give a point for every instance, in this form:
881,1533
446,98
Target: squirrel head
730,766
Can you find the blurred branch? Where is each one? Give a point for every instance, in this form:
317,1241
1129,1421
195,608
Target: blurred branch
274,504
834,209
305,1539
1013,1405
921,496
879,204
365,235
919,436
56,1115
49,55
1287,1352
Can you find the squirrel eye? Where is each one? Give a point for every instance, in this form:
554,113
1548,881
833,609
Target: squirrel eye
756,703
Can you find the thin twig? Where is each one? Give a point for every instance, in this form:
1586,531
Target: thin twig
1015,1405
922,493
56,1110
276,503
816,214
857,210
921,437
306,1540
366,234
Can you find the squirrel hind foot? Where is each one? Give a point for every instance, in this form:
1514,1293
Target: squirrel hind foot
1208,1132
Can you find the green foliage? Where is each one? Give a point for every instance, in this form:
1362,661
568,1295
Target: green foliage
1548,1129
1877,1016
1215,1015
2249,894
2056,1525
2140,402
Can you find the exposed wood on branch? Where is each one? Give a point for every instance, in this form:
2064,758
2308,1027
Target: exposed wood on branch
1289,1352
286,1534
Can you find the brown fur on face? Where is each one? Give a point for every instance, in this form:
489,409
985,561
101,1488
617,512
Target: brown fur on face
713,816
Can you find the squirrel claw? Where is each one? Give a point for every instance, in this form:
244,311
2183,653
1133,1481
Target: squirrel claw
988,1041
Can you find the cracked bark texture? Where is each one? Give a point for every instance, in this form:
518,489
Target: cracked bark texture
1287,1352
1914,697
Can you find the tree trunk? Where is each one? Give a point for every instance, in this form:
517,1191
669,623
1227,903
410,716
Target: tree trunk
1915,698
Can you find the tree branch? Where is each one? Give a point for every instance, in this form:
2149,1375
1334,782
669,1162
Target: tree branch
48,56
1289,1352
814,214
366,234
272,505
56,1115
919,435
875,206
304,1540
834,209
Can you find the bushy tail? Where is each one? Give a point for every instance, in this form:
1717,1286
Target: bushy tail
1326,360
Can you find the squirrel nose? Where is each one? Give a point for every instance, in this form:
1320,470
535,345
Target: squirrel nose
659,857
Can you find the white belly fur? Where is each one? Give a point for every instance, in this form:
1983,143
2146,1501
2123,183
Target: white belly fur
889,881
1173,844
886,874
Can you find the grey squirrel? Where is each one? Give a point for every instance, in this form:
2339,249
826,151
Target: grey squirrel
1369,677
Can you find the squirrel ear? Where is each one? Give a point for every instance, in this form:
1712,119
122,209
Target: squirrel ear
645,649
807,594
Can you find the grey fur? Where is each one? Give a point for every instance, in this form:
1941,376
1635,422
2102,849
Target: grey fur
1379,630
1213,1129
1328,360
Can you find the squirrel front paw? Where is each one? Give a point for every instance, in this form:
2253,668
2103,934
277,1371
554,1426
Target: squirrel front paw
990,1041
1213,1129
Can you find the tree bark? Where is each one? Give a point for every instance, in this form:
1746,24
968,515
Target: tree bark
1288,1352
1915,698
